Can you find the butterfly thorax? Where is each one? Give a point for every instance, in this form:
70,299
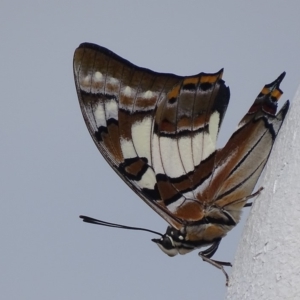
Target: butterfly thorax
193,235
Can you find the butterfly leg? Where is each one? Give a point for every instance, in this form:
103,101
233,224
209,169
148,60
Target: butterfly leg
253,195
208,253
214,263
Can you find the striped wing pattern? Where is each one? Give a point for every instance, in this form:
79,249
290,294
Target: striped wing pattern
239,164
159,131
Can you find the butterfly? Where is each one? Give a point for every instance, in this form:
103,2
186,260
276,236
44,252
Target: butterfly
158,131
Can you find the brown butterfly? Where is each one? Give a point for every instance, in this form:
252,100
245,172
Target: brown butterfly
158,132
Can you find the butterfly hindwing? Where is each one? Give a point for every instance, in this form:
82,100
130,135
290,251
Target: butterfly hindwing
239,164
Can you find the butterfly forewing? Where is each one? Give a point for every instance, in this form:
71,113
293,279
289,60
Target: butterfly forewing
154,129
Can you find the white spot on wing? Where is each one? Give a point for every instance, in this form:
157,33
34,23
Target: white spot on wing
204,144
197,148
208,146
147,95
202,147
100,116
141,134
113,81
98,76
87,80
170,157
127,148
127,91
111,108
185,148
148,180
214,123
156,158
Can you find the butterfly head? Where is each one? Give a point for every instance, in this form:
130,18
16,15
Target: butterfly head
173,242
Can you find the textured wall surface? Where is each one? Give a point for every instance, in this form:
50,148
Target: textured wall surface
267,264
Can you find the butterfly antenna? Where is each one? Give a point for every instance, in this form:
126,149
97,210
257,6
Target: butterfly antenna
108,224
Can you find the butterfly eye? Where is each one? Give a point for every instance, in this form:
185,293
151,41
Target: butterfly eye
166,244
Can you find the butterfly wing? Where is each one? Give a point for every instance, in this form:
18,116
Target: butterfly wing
240,163
184,141
154,129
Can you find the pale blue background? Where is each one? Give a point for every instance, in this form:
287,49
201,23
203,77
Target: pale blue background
51,172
